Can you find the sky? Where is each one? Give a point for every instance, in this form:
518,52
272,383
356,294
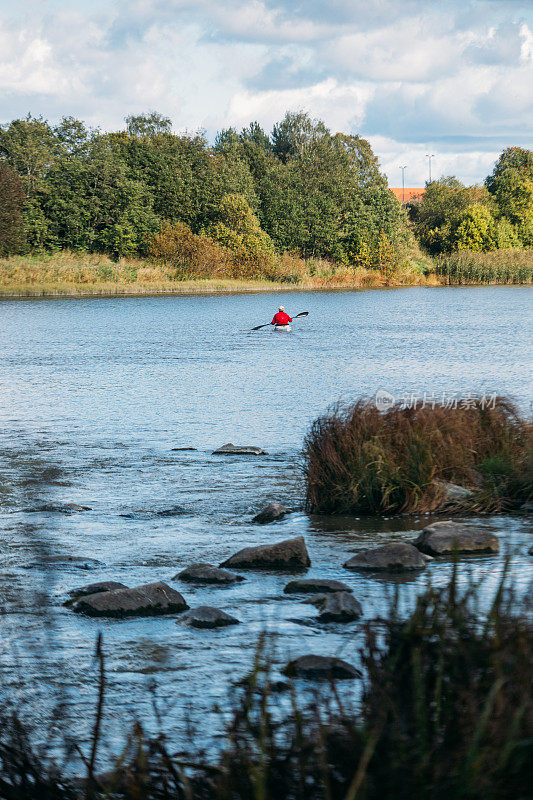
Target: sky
452,78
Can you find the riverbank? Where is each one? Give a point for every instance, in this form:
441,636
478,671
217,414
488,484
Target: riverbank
68,274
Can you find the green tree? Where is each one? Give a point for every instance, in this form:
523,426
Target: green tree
12,197
475,229
238,229
148,125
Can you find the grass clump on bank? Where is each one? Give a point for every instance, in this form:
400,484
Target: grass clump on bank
499,267
446,712
361,460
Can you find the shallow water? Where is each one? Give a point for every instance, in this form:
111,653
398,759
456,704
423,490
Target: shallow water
97,392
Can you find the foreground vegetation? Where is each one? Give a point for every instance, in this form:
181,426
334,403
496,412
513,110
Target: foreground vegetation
465,268
446,712
361,460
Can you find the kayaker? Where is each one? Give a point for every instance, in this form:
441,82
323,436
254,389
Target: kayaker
281,318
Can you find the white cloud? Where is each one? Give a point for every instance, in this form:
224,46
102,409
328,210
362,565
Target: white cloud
455,77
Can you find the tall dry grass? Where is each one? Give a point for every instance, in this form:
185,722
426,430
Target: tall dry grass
498,267
361,460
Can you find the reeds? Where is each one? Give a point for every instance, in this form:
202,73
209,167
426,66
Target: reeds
498,267
361,460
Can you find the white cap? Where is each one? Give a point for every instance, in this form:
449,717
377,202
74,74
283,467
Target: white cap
281,308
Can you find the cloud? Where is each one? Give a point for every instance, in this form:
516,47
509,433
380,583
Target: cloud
417,76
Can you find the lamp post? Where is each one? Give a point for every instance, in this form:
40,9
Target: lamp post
429,156
403,181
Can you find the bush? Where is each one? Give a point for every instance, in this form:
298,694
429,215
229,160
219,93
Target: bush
361,460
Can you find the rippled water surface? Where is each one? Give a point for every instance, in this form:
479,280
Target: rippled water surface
96,393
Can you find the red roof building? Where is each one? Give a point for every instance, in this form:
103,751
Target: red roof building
409,193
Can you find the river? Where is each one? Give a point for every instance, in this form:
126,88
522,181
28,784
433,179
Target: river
96,393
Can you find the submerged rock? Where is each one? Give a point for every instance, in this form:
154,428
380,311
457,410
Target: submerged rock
312,585
207,617
79,562
338,607
57,508
271,513
530,551
321,668
393,557
239,450
207,573
151,599
175,511
290,554
182,449
446,538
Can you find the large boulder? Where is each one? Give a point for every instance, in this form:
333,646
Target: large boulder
290,555
447,538
338,607
239,450
271,513
207,573
321,668
314,585
207,617
149,600
57,561
393,557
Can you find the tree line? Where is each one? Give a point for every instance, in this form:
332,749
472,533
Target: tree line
497,215
247,198
299,189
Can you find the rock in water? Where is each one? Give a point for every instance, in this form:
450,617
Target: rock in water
57,561
96,588
446,538
338,607
207,617
393,557
57,508
271,513
321,668
239,450
148,600
182,449
207,573
312,585
290,555
530,551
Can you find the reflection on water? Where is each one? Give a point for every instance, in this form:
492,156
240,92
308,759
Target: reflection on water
96,393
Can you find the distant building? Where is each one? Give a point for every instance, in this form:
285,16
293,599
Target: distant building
409,193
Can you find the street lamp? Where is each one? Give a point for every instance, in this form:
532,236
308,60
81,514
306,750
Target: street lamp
429,156
403,181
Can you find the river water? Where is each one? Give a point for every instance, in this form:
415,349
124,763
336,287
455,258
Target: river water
96,393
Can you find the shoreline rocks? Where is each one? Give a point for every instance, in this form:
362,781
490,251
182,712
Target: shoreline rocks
151,599
231,449
271,513
392,557
207,617
321,668
448,537
290,555
200,572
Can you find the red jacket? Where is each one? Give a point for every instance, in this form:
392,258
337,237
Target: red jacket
281,318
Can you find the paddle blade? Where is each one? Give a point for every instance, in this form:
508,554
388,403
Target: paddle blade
260,326
302,314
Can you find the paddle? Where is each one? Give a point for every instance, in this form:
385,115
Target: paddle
301,314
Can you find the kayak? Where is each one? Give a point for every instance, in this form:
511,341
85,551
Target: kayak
284,328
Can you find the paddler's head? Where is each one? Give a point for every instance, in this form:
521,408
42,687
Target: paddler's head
281,308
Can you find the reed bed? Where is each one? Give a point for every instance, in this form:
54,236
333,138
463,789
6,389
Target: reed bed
499,267
361,460
446,712
66,273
